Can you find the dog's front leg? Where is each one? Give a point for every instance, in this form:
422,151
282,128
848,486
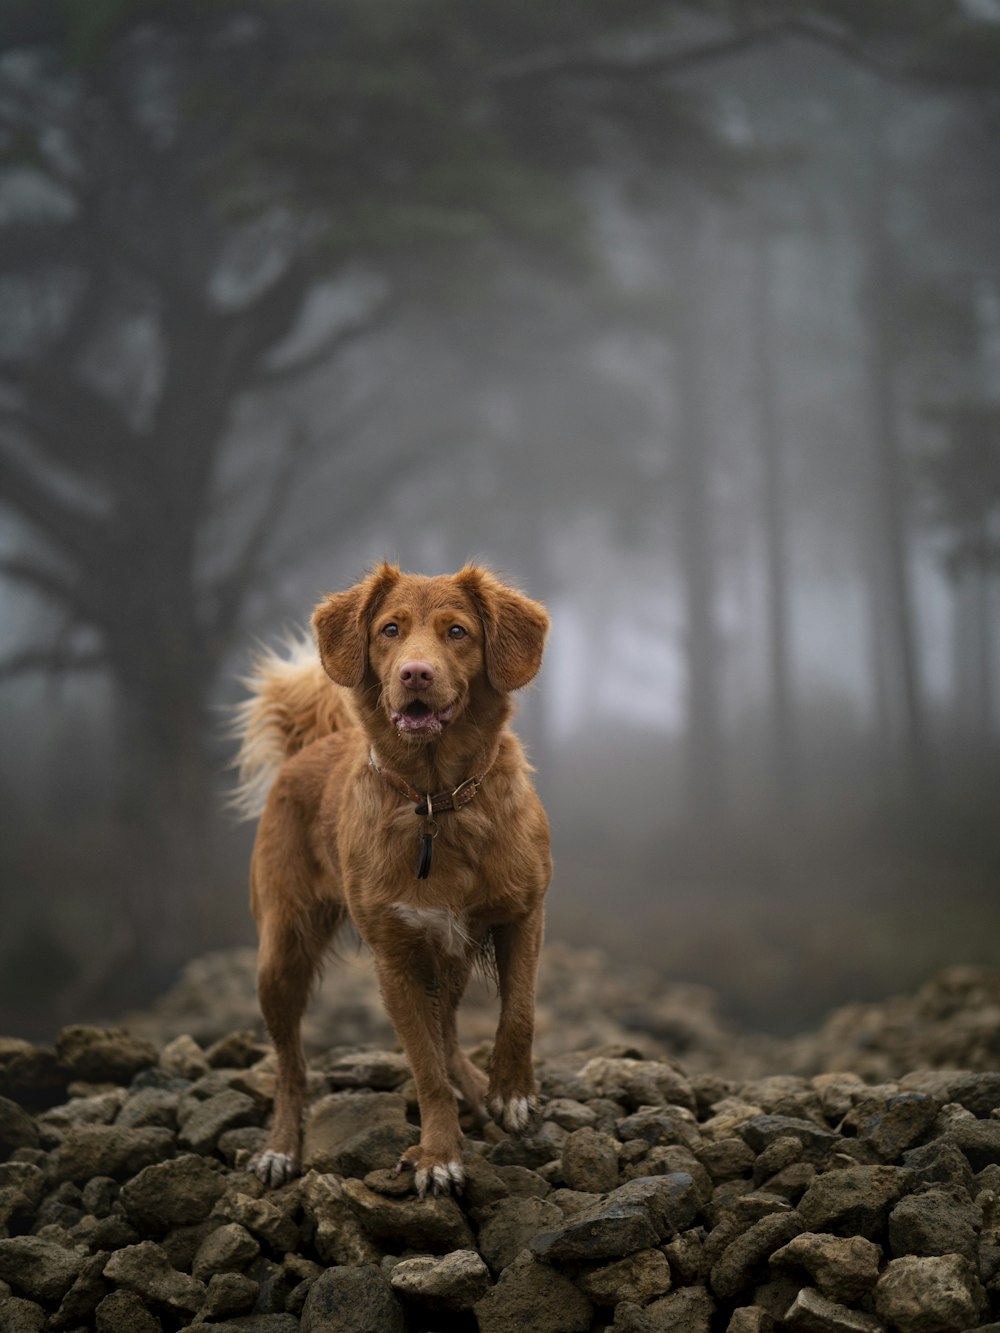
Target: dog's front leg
512,1096
414,1005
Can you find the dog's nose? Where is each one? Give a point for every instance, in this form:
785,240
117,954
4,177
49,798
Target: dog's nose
416,675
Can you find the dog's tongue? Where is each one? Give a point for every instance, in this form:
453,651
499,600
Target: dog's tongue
417,717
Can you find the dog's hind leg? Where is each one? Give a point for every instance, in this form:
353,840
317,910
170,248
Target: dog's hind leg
291,950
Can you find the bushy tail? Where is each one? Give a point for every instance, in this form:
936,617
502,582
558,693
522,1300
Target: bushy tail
292,702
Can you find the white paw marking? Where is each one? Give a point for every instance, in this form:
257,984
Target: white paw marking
439,1178
273,1168
514,1113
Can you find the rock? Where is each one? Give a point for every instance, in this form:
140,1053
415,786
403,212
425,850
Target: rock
638,1082
844,1268
231,1109
339,1239
734,1269
17,1129
639,1278
103,1055
185,1057
124,1312
455,1282
569,1114
590,1161
30,1075
145,1270
636,1216
39,1269
107,1150
935,1294
750,1319
760,1131
855,1200
352,1133
434,1225
373,1069
530,1295
813,1313
261,1217
149,1106
88,1290
229,1293
940,1162
352,1300
20,1316
510,1225
178,1192
532,1151
979,1140
689,1310
893,1124
228,1248
978,1093
937,1221
732,1159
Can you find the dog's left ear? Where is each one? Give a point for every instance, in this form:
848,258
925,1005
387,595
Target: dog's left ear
342,620
514,625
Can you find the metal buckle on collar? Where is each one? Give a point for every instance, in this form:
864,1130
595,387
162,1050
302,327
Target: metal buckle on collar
471,785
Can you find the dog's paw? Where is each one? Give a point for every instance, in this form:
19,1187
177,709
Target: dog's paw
273,1168
514,1113
433,1173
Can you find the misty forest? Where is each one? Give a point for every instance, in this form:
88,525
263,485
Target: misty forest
685,316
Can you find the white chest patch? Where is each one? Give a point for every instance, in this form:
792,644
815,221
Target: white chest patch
441,927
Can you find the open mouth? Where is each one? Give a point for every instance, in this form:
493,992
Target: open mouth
419,719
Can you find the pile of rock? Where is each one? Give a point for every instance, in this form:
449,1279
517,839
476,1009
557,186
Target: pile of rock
646,1199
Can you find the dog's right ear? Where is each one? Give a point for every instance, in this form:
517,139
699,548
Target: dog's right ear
342,621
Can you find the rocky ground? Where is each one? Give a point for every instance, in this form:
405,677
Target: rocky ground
682,1177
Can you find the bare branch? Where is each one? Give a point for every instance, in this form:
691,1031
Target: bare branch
373,321
41,578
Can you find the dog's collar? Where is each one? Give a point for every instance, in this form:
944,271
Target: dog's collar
429,804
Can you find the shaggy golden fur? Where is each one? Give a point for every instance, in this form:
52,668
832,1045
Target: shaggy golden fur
411,686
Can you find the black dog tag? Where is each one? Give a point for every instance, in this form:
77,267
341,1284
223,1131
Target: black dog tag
424,855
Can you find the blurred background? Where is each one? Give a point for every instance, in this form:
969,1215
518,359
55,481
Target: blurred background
684,316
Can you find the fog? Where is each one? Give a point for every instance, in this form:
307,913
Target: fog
684,317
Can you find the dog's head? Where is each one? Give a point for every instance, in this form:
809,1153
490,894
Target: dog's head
428,646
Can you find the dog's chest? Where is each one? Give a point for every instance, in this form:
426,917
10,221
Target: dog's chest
444,930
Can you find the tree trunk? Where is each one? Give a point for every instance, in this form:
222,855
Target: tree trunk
703,648
782,739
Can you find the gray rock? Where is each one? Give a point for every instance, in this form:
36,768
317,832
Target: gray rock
145,1270
99,1195
978,1093
434,1225
893,1124
20,1316
530,1150
844,1268
510,1226
201,1128
229,1293
258,1323
636,1216
522,1182
935,1294
107,1150
30,1075
377,1070
124,1312
637,1083
936,1221
731,1158
352,1300
660,1127
569,1114
940,1162
178,1192
530,1295
88,1290
103,1055
185,1057
39,1269
781,1153
855,1200
761,1131
590,1161
639,1278
734,1269
261,1217
814,1313
225,1249
455,1282
484,1183
17,1129
149,1106
689,1310
978,1139
686,1256
352,1133
338,1236
750,1319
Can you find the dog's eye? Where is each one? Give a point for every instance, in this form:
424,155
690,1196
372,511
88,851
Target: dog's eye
391,630
457,632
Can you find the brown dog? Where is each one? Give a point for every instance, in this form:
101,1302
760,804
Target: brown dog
401,798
